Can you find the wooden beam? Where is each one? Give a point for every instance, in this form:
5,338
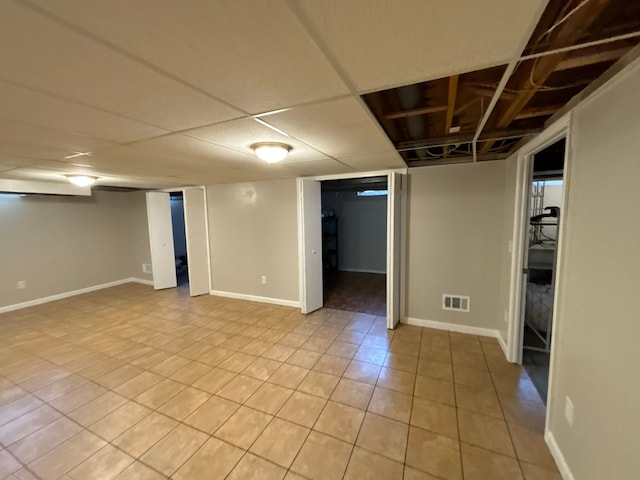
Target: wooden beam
374,100
592,56
538,112
415,112
566,33
489,91
451,102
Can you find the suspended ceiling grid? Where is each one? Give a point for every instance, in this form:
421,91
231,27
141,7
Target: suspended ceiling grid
440,121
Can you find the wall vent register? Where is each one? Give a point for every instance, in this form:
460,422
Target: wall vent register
457,303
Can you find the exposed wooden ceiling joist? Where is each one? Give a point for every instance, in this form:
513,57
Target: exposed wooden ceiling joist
415,112
528,81
451,102
590,56
537,112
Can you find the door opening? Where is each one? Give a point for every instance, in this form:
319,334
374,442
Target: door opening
354,244
310,241
179,239
546,199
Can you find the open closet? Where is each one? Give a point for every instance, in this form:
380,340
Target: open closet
545,201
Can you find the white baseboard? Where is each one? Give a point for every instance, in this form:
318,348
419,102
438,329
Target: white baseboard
561,462
452,327
60,296
362,270
256,298
503,345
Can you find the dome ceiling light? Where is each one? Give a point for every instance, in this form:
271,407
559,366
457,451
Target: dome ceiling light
271,152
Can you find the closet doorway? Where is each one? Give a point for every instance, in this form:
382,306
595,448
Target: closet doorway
540,260
179,239
311,245
354,244
170,263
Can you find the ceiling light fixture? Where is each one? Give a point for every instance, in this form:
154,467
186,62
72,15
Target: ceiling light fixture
82,180
271,152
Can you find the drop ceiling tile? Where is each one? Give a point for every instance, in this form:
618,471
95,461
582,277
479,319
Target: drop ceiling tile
30,173
339,128
240,134
15,149
321,167
378,161
257,57
182,145
44,137
27,106
387,44
59,60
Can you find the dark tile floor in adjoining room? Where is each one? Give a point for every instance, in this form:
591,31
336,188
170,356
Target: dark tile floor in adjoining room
357,292
129,383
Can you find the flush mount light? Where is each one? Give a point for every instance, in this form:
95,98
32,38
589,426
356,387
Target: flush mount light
271,152
82,180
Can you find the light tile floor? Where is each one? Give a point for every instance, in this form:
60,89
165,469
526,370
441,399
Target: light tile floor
128,383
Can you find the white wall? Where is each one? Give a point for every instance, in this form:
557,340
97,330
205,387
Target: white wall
177,224
59,244
253,232
362,231
596,355
457,242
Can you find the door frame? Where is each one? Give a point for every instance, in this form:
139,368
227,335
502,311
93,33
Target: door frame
206,219
390,254
558,130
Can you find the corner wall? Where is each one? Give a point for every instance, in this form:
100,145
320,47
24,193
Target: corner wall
596,355
59,244
456,242
253,232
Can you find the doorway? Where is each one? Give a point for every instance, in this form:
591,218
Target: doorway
179,239
172,216
546,202
310,241
354,244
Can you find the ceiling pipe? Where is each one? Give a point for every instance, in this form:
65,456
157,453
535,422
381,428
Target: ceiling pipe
410,98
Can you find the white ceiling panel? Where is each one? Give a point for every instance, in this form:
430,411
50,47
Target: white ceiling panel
338,128
44,137
240,134
9,150
388,43
376,161
61,61
255,55
184,146
321,167
14,162
27,106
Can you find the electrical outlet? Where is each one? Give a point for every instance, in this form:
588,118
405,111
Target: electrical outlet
568,410
146,268
21,284
264,279
506,316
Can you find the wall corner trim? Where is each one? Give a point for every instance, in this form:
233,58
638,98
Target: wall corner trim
561,462
452,327
256,298
72,293
504,347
